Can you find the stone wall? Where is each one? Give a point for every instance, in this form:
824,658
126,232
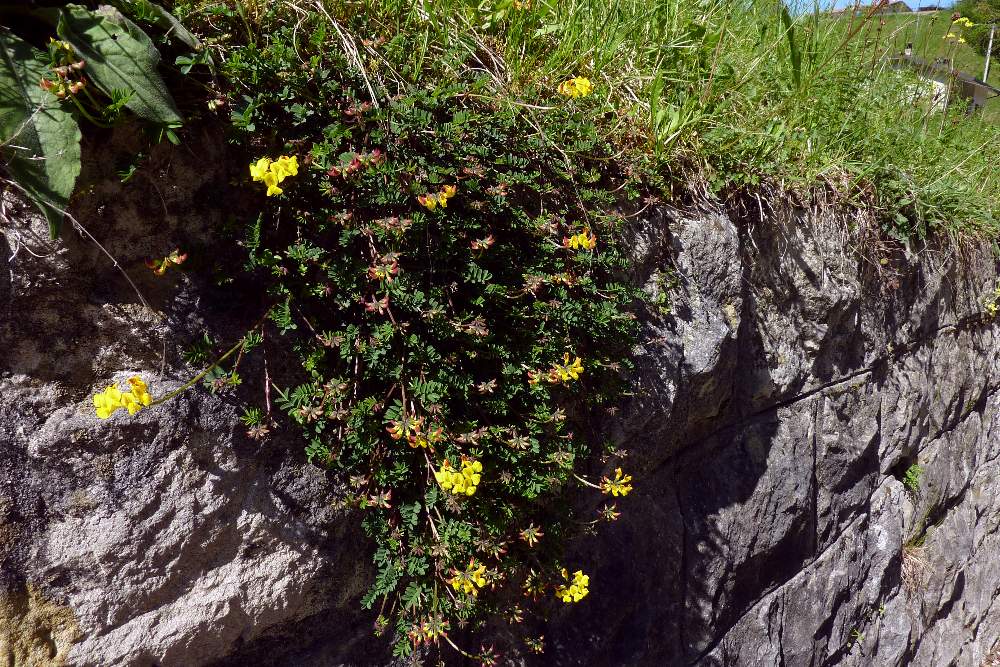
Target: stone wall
791,369
796,370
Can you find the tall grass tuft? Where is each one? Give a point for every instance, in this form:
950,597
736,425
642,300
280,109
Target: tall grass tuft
742,90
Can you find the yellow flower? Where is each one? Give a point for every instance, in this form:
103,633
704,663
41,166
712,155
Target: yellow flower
130,403
471,472
470,580
443,476
575,590
464,482
961,40
272,172
619,486
432,200
139,390
584,240
260,168
576,87
107,402
564,372
950,35
447,192
285,166
570,371
459,484
271,181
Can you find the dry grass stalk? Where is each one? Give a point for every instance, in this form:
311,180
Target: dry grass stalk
915,568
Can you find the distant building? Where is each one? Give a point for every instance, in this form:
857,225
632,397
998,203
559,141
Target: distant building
975,92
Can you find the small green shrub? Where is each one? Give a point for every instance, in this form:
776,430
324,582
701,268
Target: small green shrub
444,267
912,477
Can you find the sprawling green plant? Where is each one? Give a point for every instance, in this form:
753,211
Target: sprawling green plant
440,186
444,267
100,64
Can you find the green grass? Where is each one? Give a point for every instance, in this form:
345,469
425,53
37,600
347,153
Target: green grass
926,31
724,90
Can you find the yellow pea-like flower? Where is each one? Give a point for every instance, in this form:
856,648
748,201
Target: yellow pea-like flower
107,402
259,168
271,181
576,87
111,399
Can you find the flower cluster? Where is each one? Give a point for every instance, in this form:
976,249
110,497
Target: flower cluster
426,439
412,430
532,534
960,21
469,580
576,87
69,80
109,400
992,303
534,586
405,427
584,240
428,630
575,590
272,172
564,372
464,482
432,200
385,269
619,486
356,163
160,266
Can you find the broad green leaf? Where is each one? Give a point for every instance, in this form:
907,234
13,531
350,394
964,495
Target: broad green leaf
161,18
116,60
135,32
39,140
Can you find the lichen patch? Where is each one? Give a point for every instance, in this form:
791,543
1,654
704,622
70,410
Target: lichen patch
34,631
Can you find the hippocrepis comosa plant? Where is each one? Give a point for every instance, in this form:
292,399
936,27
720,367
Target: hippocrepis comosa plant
447,273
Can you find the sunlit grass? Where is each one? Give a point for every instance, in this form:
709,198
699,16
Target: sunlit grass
738,90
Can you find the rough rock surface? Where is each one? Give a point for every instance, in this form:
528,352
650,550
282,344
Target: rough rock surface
170,537
793,373
791,370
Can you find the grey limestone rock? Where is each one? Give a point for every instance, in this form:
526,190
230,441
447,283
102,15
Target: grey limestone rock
791,368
